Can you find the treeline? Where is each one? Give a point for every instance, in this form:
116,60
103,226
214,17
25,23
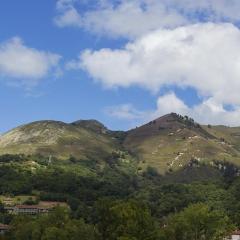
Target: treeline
6,158
124,220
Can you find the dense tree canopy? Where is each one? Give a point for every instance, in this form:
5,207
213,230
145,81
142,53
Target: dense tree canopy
197,222
119,203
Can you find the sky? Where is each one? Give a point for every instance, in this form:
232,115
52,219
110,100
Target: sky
122,62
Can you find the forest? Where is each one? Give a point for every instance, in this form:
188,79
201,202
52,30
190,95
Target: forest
120,203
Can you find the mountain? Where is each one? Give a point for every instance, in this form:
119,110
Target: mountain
82,139
92,125
171,141
167,143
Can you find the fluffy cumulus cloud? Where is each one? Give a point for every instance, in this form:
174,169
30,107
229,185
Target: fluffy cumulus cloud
125,111
203,56
134,18
68,16
24,65
171,43
209,111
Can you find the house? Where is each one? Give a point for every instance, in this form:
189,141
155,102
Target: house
4,228
236,235
9,209
27,209
30,209
41,208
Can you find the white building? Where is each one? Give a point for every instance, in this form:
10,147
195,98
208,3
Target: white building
3,228
42,207
234,236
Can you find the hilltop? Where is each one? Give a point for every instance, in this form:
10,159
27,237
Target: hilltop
167,143
82,139
171,141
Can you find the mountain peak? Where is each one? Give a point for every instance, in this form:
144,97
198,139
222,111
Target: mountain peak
169,121
91,124
174,117
80,139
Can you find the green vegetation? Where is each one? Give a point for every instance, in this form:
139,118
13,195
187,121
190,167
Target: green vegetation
119,202
167,143
197,222
57,225
61,140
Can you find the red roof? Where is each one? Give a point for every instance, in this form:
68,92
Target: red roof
4,227
51,204
237,232
30,207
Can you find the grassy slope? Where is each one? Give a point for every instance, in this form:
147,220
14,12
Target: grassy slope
58,139
168,143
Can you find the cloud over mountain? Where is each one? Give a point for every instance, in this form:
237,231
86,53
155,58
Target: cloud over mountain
203,56
206,112
178,44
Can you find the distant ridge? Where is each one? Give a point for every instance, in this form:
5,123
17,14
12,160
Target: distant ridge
91,124
80,139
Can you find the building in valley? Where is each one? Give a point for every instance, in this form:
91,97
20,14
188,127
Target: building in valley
30,209
4,228
41,208
234,236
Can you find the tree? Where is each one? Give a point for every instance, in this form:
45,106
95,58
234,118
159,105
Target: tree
78,229
125,220
197,222
54,233
57,225
1,207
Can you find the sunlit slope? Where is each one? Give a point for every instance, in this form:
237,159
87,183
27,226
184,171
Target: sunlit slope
60,139
170,142
167,143
229,135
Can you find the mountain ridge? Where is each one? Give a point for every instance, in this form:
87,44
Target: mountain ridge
166,143
57,138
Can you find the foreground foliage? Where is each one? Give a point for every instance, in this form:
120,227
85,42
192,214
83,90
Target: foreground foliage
118,202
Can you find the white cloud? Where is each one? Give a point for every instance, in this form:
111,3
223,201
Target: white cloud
125,111
207,112
69,15
203,56
169,103
26,65
183,43
135,18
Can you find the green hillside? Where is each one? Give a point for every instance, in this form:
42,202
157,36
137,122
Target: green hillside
83,140
170,142
167,143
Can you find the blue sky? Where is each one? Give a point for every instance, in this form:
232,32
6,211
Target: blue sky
70,97
120,62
